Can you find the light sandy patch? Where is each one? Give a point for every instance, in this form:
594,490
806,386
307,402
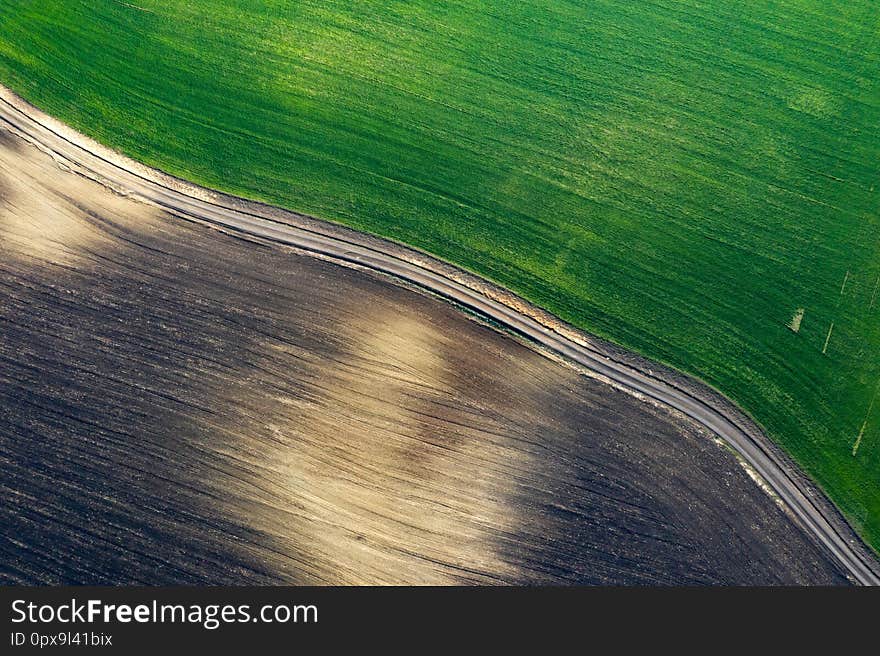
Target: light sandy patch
405,470
49,214
828,338
858,441
381,481
795,323
762,483
861,434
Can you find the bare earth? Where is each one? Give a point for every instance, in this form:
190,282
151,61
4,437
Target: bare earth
181,406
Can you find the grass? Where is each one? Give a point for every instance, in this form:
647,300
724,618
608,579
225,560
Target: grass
678,176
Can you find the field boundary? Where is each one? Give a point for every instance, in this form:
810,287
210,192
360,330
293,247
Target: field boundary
638,375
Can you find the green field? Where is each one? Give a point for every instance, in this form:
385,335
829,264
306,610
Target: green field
678,176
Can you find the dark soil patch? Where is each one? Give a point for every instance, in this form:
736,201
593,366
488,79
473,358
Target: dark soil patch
178,406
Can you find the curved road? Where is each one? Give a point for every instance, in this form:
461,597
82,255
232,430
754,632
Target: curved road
80,152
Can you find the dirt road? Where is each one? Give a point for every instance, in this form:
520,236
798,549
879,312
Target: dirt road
183,200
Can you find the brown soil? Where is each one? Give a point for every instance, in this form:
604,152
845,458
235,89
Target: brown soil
181,406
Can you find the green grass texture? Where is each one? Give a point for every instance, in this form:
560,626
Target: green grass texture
682,177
